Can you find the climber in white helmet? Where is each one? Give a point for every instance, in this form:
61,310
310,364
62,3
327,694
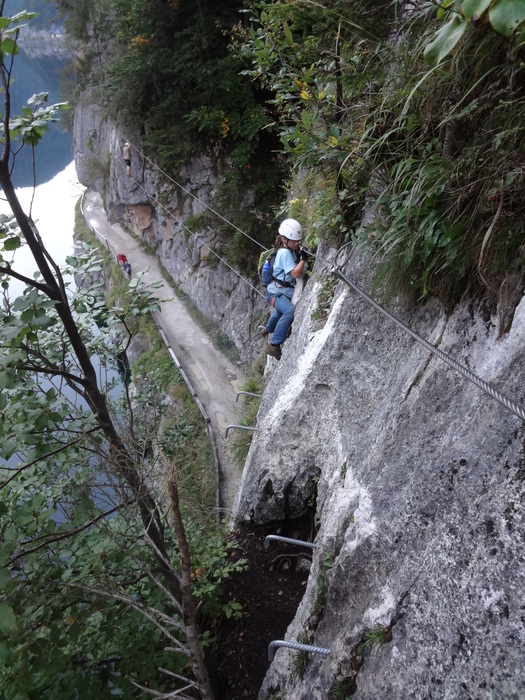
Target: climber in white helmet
287,268
126,154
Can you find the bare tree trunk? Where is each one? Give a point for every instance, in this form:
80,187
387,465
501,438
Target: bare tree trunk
190,619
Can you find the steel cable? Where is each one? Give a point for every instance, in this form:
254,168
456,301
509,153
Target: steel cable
145,157
464,371
194,235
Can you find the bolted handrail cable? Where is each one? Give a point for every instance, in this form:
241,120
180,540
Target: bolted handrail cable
485,386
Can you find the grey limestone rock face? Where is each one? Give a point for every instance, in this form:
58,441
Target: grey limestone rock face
418,480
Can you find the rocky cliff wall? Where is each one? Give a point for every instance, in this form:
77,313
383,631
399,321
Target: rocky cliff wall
154,209
415,479
412,476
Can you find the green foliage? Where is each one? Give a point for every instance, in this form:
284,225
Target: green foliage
241,441
255,384
96,167
212,564
225,345
196,222
185,434
374,638
328,561
507,17
238,253
315,200
438,202
320,599
301,658
89,598
71,606
84,555
70,618
437,149
343,688
9,28
363,121
170,72
74,608
325,296
296,54
31,125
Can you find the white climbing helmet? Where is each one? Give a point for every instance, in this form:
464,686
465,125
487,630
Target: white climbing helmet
291,229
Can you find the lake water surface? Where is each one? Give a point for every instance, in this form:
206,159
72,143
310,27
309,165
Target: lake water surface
34,73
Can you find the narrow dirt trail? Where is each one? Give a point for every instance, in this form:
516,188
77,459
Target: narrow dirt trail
214,379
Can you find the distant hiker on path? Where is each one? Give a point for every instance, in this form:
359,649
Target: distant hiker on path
287,268
124,264
126,153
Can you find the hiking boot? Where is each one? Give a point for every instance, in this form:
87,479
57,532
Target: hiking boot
273,351
262,330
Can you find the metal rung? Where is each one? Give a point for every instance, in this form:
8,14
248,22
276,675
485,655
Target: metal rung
240,427
247,393
294,645
289,540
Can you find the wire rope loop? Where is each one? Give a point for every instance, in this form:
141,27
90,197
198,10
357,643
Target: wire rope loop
341,249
